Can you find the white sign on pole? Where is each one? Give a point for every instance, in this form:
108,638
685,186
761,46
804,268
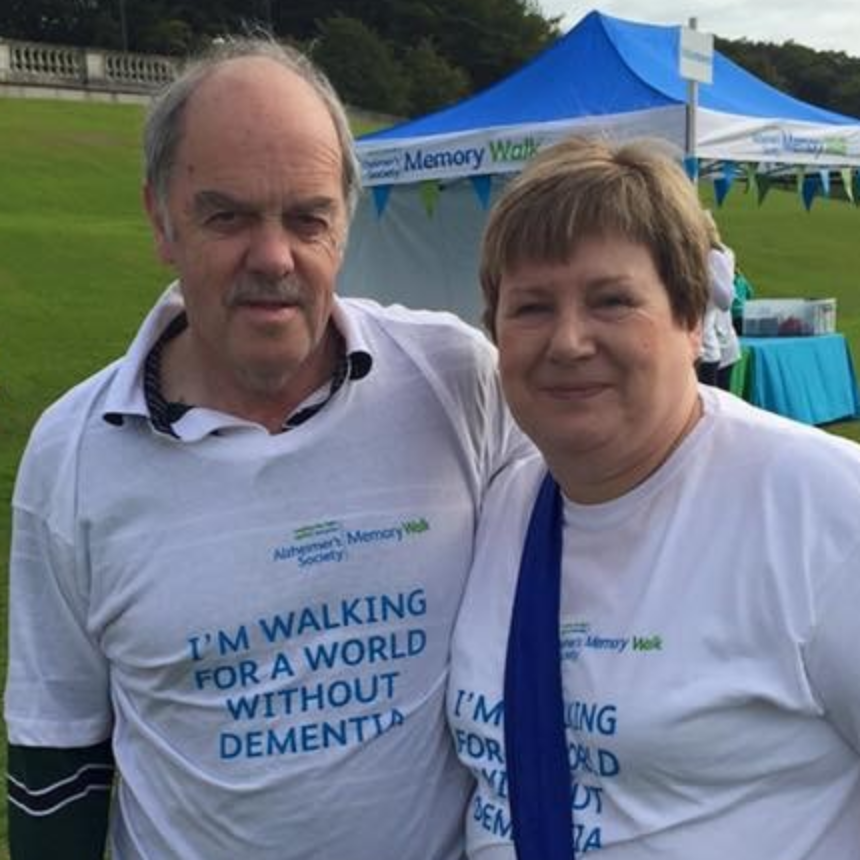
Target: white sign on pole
696,55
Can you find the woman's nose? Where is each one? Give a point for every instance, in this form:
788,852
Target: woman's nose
571,338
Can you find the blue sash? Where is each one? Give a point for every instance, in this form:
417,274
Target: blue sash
539,785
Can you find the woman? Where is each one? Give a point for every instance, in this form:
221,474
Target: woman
626,677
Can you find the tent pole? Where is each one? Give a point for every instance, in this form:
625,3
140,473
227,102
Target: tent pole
691,107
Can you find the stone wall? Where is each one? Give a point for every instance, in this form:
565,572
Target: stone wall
38,70
35,69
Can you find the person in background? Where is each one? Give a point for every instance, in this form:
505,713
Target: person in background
744,291
721,267
719,350
654,653
238,551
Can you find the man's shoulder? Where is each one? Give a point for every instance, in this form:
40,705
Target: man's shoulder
436,332
58,432
80,401
398,317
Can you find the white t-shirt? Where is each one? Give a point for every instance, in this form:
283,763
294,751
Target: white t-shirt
708,623
720,344
261,622
722,267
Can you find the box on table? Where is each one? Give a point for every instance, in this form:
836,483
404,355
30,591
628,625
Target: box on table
789,317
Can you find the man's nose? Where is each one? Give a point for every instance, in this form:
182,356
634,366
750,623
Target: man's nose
270,252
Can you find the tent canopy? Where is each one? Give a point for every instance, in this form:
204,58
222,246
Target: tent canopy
417,230
614,77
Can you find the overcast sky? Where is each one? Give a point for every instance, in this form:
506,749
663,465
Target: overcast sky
826,25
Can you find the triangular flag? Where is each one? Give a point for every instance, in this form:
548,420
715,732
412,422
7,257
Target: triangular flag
429,192
801,176
855,186
380,198
482,186
763,183
824,176
691,167
721,189
752,178
848,182
809,189
723,183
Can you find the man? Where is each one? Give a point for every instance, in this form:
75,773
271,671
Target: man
238,551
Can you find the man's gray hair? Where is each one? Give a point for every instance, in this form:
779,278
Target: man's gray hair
163,129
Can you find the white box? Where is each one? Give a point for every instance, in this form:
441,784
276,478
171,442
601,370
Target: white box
789,317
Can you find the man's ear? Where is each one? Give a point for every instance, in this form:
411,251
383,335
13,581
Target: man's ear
160,229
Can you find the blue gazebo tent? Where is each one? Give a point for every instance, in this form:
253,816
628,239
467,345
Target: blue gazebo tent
429,181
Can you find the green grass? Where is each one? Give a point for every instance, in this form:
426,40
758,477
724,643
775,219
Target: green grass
788,252
77,265
78,268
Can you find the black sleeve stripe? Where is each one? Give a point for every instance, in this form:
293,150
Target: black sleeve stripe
51,798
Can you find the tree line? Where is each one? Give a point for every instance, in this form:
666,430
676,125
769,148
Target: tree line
403,57
829,79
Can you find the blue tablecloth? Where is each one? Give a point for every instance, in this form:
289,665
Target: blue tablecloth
810,379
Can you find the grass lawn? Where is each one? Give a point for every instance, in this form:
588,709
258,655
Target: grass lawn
76,266
78,269
788,252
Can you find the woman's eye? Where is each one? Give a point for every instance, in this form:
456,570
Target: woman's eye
615,300
528,309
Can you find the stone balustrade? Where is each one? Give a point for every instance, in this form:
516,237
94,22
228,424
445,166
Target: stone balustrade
38,70
31,65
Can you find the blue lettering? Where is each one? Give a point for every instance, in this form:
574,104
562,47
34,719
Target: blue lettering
279,627
225,677
590,717
491,817
374,535
497,779
374,649
226,645
600,761
493,715
308,737
585,796
478,747
471,158
585,839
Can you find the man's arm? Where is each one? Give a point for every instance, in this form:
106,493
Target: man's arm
58,801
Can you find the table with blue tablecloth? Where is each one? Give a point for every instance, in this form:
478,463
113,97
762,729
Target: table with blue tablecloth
810,379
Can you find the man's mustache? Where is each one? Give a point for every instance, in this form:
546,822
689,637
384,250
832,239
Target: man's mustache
286,291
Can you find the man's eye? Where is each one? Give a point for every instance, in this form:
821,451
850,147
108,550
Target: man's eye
309,224
223,217
225,220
